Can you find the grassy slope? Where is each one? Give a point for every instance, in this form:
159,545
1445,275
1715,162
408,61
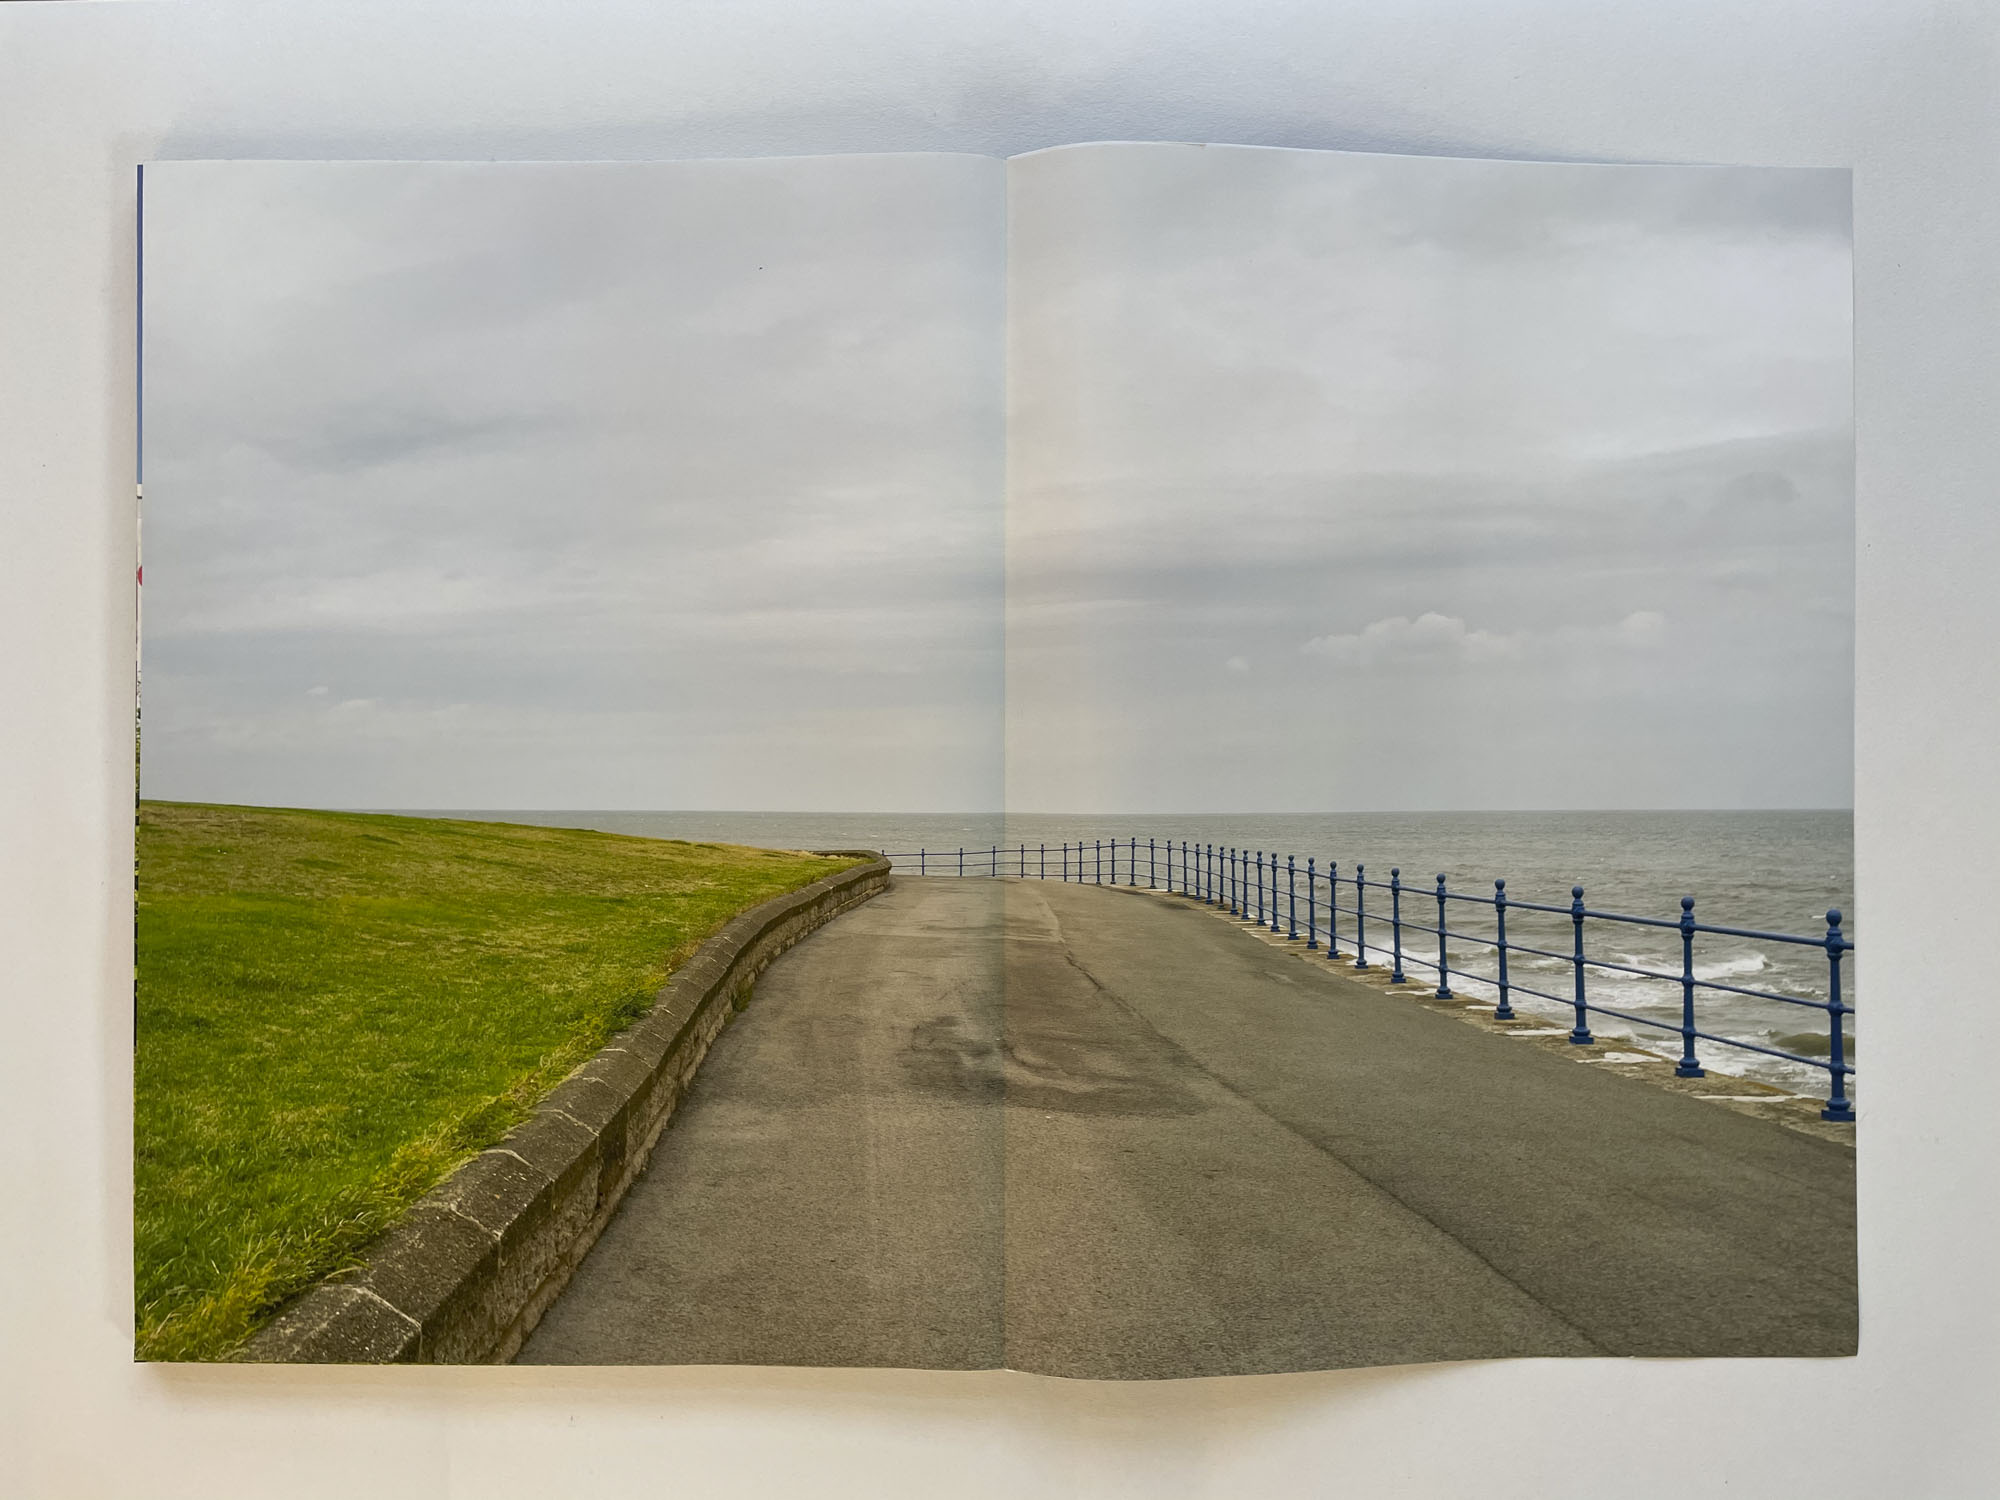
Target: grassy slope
335,1009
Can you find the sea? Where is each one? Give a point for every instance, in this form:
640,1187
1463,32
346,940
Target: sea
1762,871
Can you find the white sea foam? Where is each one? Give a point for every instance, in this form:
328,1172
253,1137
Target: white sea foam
1740,966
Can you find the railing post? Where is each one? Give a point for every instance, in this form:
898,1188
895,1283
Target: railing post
1690,1066
1361,917
1152,874
1292,897
1024,861
1444,959
1132,864
1396,975
1042,869
1504,1011
993,862
961,860
1260,887
1838,1106
1580,1034
1312,895
920,861
1333,908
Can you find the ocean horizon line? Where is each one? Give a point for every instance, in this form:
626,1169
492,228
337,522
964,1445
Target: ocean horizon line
830,812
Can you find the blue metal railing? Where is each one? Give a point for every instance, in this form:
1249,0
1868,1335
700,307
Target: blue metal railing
1239,881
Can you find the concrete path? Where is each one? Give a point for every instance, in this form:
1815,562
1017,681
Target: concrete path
1098,1133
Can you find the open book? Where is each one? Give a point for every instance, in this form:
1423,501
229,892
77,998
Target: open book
1203,495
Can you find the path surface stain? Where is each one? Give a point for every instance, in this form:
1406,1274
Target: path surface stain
943,1059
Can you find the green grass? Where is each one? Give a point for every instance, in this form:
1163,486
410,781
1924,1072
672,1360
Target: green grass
336,1009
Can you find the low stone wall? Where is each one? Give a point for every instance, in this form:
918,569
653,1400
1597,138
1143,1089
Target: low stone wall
465,1275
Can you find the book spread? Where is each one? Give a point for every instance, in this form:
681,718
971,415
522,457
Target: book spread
1144,761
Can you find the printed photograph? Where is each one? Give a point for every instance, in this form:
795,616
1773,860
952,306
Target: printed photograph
1139,762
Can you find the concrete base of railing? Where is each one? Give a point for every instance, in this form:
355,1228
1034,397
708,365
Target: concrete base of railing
465,1275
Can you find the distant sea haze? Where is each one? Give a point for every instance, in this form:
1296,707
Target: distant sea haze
1776,871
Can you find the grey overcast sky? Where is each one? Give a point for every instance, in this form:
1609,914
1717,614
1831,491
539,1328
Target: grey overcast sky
1331,482
1372,482
667,485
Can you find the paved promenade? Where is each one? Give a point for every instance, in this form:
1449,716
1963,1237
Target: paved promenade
1094,1132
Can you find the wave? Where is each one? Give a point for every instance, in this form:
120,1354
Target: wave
1739,967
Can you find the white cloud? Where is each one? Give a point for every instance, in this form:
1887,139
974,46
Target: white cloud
1434,639
1431,637
1643,627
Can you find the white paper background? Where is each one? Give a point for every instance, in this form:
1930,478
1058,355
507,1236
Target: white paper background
1908,94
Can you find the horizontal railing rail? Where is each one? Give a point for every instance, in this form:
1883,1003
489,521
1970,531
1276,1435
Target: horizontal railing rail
1264,888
